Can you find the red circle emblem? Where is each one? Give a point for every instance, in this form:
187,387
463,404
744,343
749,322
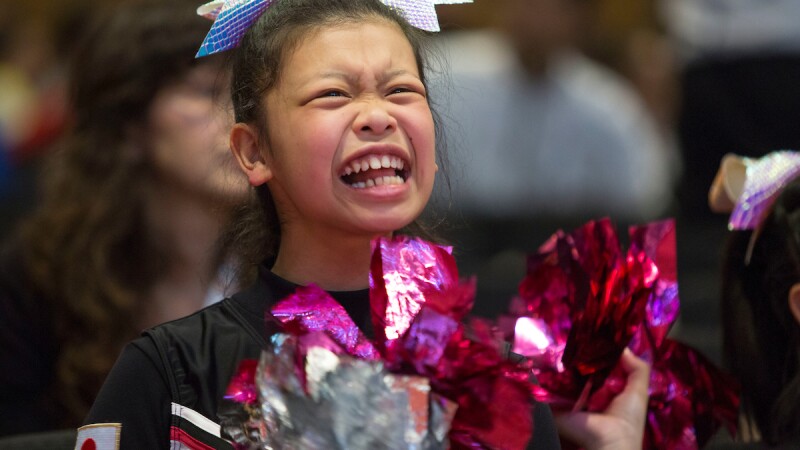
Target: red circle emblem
89,444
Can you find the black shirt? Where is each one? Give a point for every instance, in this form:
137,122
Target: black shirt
168,384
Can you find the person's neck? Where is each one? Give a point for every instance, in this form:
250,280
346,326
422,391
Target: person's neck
334,263
187,229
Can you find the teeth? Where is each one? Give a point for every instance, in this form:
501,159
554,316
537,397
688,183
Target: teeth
381,181
374,162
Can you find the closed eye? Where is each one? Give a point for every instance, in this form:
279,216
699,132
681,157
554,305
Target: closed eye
329,99
332,93
407,90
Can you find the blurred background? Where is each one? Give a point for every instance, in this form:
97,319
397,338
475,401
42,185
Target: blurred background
36,38
556,112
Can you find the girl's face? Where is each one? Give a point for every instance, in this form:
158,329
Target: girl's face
350,134
189,123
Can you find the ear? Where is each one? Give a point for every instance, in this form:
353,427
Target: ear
794,301
244,144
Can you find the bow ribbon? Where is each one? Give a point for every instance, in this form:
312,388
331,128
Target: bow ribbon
232,18
747,187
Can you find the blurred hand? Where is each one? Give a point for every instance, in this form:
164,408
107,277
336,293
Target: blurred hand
621,426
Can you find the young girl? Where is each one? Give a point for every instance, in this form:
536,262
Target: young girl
761,302
133,204
335,132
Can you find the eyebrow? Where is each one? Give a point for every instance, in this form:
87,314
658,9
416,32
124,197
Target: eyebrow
353,79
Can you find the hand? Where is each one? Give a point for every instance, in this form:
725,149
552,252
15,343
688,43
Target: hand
621,425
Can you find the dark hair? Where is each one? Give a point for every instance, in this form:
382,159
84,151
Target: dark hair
130,52
761,337
257,66
86,247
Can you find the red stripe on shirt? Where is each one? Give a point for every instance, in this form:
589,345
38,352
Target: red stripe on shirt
178,435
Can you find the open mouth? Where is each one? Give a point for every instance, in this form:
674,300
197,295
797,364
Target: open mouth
375,170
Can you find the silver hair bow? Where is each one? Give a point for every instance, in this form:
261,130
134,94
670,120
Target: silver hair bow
747,187
232,18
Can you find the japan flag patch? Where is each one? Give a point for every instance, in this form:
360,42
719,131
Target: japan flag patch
99,436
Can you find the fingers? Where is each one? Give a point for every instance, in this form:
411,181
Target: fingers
630,406
621,425
580,428
638,372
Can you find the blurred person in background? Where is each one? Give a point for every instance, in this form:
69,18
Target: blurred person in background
133,203
531,101
630,38
547,136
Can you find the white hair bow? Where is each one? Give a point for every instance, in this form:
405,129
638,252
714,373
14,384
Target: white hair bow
232,18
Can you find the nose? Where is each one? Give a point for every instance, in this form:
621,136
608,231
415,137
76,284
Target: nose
374,118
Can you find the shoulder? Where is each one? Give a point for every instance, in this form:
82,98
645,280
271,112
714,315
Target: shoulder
168,384
597,88
479,67
213,319
199,353
479,53
607,107
233,322
207,345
